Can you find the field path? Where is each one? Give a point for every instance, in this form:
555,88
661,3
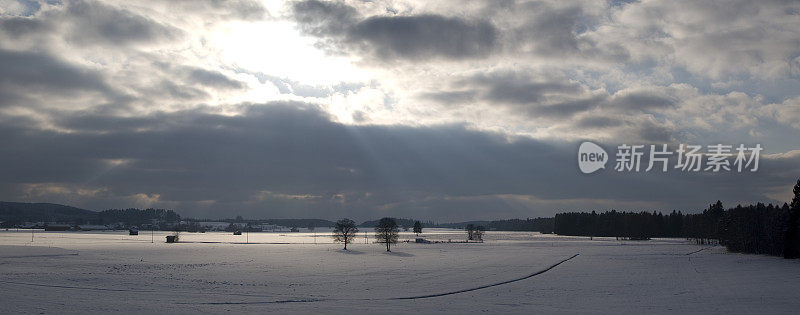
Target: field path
488,285
401,298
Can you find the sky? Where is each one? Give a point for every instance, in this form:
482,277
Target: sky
434,110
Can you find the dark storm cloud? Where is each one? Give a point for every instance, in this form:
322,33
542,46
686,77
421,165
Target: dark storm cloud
451,97
557,32
37,69
213,79
96,23
653,132
518,88
547,31
425,36
93,121
175,90
567,108
405,37
521,92
553,31
290,159
24,74
545,95
89,22
325,18
598,122
643,101
16,26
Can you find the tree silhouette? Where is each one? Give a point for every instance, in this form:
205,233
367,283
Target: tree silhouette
470,228
758,229
386,232
478,234
791,244
417,227
345,231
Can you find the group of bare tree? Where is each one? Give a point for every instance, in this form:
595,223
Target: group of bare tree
475,233
386,232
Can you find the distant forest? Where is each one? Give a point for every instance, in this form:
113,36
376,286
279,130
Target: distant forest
759,229
543,225
408,223
17,213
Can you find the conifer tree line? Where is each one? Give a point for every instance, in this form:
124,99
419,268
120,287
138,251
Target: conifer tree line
759,229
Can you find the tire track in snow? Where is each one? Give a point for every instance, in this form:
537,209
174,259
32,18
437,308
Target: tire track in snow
488,285
697,251
399,298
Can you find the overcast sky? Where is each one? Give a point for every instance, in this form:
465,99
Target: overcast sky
435,110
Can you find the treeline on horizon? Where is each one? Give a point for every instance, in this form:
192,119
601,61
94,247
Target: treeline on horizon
16,214
543,225
758,229
639,225
761,229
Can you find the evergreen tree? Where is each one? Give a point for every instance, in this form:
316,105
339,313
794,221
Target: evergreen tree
791,245
760,229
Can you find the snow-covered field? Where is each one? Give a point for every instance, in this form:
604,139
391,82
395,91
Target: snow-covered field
75,272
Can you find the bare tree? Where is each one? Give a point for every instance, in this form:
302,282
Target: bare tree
478,234
470,232
386,232
345,231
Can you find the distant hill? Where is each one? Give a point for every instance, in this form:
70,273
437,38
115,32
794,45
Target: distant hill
16,213
46,212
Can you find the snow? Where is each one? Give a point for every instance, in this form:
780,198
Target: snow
110,271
